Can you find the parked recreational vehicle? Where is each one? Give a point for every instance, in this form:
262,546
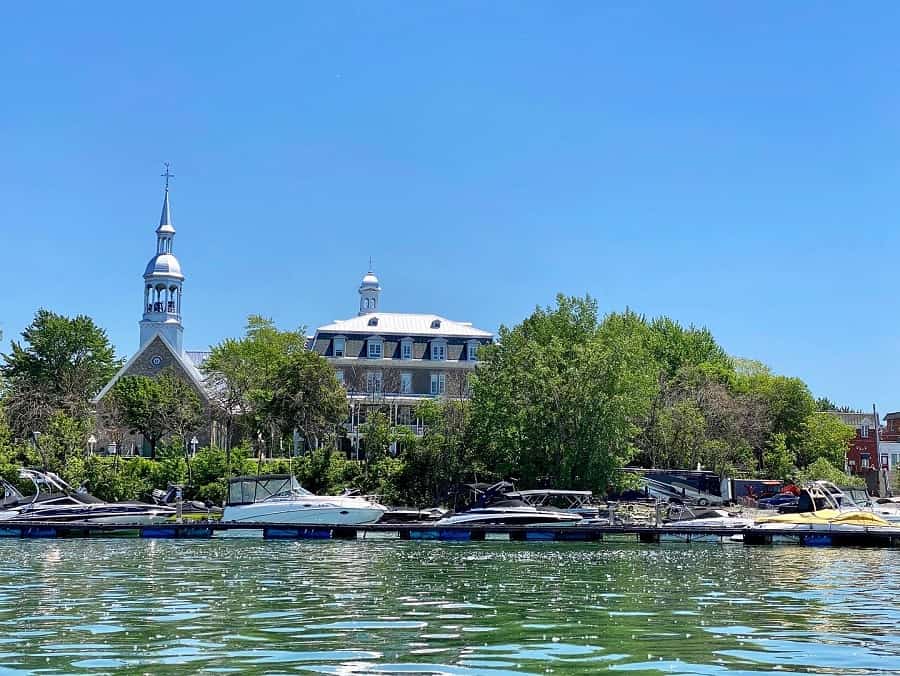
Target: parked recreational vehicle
678,485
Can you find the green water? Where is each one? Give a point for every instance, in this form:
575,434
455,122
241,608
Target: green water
246,605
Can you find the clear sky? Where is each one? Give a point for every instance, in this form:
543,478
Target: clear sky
733,165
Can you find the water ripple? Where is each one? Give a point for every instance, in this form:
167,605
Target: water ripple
493,608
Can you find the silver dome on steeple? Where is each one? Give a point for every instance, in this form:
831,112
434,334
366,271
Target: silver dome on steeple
163,281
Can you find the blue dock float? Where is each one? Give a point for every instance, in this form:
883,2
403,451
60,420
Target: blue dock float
868,537
299,533
175,531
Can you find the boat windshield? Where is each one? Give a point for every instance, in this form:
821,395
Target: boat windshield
246,490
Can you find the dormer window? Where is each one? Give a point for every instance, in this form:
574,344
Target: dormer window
376,348
373,321
439,350
406,348
472,350
340,346
436,324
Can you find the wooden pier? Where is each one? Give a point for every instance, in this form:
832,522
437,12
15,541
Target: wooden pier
818,536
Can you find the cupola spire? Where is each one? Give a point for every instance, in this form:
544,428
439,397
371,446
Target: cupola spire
369,292
163,282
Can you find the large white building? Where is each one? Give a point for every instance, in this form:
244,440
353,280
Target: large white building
390,361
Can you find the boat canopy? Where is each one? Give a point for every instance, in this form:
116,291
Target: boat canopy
245,490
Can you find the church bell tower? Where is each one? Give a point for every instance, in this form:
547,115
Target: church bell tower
162,284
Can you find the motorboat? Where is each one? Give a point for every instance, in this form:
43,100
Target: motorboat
823,507
576,502
56,501
499,504
280,499
412,515
193,509
682,515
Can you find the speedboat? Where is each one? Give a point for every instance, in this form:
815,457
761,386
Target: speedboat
702,520
682,515
56,501
576,502
280,499
195,509
823,508
497,505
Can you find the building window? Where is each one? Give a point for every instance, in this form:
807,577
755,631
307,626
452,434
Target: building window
340,345
373,382
339,374
472,351
406,349
895,459
864,431
438,350
438,383
864,460
405,383
375,348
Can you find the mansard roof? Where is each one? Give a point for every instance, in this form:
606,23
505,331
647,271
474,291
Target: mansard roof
406,324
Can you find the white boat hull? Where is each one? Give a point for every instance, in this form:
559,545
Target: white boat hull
511,517
303,513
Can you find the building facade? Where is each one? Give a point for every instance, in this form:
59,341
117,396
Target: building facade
391,361
160,347
862,450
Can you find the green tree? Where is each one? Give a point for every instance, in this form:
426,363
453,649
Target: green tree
156,407
788,399
556,399
779,461
242,373
307,396
59,365
824,436
822,469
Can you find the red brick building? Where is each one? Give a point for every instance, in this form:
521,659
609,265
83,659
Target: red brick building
862,451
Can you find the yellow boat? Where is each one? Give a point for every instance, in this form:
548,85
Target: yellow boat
826,517
824,506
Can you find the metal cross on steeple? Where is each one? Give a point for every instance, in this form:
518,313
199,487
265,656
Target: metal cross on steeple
370,264
167,175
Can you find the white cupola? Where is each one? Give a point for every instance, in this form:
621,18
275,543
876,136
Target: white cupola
162,284
369,291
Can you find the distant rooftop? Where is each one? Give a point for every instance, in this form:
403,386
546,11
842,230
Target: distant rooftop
406,324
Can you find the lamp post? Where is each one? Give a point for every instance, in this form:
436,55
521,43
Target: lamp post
194,442
92,443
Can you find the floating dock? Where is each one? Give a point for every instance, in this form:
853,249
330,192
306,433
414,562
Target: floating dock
813,536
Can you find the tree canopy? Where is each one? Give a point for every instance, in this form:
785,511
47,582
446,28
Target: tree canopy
59,365
156,407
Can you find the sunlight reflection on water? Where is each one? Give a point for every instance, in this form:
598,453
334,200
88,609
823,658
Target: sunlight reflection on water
104,606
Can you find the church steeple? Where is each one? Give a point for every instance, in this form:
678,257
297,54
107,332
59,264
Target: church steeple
162,283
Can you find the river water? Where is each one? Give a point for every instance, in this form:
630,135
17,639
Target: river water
387,606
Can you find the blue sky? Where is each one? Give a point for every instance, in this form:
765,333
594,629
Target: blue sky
733,165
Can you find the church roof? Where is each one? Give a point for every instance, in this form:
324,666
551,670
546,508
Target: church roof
407,324
165,218
164,264
186,364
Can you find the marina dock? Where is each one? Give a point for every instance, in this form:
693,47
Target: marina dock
819,536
